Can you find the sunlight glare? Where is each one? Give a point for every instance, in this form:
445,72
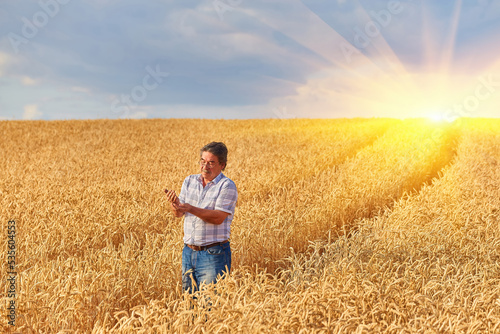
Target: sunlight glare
439,117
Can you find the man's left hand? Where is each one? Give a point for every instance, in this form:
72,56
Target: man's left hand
183,207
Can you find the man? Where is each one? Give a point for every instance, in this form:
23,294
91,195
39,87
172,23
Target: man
207,202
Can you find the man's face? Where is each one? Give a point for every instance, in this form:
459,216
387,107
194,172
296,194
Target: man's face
209,166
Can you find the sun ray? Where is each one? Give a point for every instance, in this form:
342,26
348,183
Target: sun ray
430,45
449,46
371,77
316,35
384,50
375,80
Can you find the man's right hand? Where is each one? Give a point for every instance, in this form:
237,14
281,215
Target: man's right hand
172,197
174,202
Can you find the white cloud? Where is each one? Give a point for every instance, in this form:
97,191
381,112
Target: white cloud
137,115
31,112
28,81
4,60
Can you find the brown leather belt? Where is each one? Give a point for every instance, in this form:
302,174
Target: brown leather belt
202,248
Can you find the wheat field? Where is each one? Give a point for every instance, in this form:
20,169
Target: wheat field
342,226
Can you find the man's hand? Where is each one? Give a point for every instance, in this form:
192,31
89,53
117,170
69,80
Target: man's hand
174,203
179,209
172,197
184,207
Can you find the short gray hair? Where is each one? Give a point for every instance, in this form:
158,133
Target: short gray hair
218,149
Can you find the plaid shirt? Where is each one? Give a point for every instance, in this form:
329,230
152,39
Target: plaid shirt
218,194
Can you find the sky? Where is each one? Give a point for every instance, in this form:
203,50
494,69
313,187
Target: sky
240,59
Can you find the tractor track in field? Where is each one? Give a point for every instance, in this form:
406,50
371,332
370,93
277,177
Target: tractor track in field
354,206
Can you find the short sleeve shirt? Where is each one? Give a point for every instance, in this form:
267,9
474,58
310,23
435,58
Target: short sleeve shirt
218,194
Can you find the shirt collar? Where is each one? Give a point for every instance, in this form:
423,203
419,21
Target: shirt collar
214,181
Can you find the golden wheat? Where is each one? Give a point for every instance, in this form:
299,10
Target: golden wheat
342,226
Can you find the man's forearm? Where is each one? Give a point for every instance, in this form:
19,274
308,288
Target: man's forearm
210,216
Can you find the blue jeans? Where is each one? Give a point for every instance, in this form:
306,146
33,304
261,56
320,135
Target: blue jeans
204,266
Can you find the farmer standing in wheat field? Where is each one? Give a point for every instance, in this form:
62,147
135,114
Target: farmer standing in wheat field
207,202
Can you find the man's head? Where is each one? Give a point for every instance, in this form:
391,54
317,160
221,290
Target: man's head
213,159
218,149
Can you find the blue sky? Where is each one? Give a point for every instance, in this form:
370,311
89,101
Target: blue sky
71,59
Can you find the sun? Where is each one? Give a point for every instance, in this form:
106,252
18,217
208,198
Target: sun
436,117
440,117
